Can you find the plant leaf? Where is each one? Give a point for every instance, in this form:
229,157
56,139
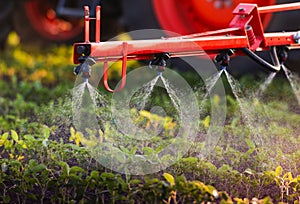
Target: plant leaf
29,137
76,169
250,143
14,135
170,179
46,132
5,136
278,171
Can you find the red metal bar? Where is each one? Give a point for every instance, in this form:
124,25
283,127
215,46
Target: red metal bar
146,49
278,39
279,8
86,24
247,14
136,47
97,31
113,50
225,31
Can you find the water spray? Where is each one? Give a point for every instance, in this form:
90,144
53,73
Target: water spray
244,36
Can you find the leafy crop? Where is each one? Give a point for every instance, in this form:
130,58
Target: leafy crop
43,159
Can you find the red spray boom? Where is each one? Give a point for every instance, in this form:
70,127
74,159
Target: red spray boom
245,35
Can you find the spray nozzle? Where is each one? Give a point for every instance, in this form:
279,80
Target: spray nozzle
282,53
223,58
159,63
85,68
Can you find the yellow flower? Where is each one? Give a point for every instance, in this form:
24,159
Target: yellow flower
20,157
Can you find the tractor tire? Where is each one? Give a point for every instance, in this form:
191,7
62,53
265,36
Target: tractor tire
36,23
148,10
6,11
184,18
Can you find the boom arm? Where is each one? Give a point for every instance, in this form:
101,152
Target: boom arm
245,35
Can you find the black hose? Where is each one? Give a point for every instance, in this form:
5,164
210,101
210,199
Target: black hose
274,68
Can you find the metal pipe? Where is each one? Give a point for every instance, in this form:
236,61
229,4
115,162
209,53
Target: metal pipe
97,31
86,24
279,8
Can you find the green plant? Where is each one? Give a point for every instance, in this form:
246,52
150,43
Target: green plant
44,159
289,185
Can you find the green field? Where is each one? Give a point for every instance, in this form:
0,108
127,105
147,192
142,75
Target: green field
43,160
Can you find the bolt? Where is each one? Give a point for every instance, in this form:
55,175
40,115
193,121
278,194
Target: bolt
241,9
297,37
218,4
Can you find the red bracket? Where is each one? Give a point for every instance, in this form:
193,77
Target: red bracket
124,68
248,20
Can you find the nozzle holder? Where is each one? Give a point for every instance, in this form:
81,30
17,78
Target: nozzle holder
282,53
159,63
85,68
224,57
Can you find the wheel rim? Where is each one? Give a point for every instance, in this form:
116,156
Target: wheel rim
186,17
44,20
